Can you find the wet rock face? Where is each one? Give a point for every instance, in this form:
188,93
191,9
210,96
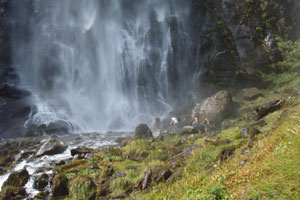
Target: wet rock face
143,131
216,108
230,36
5,57
14,109
51,147
17,179
11,92
41,182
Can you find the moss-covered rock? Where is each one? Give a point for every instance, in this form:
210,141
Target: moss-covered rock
13,193
41,182
17,179
59,186
82,187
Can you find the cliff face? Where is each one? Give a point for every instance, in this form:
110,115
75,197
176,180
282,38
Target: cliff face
14,103
4,34
235,38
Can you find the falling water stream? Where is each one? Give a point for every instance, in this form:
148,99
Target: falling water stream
103,65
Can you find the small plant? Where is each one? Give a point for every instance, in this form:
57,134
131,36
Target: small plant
217,193
70,175
86,172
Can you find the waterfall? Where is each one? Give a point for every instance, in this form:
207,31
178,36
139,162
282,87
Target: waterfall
103,64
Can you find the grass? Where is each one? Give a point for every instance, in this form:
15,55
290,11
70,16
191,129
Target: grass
272,169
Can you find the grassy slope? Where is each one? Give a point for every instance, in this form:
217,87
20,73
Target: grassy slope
269,170
272,169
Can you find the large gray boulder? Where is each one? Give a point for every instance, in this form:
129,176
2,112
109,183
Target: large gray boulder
51,147
142,131
216,108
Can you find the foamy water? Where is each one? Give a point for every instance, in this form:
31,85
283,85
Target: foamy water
37,166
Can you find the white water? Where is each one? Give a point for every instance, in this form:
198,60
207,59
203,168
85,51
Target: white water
37,166
103,64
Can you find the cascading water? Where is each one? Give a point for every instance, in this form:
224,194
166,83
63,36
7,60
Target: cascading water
103,64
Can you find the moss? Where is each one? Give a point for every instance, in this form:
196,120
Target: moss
82,187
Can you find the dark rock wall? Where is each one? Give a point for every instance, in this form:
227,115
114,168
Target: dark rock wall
5,57
235,38
14,106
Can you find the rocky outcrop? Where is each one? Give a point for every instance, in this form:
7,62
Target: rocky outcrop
235,39
216,108
14,106
143,131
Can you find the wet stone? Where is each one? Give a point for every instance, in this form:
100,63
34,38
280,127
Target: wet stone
41,182
51,147
17,179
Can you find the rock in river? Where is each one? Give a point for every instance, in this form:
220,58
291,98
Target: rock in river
17,179
51,147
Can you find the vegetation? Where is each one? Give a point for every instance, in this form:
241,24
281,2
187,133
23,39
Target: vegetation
269,169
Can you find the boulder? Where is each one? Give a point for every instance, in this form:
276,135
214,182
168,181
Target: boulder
17,179
41,182
82,187
59,186
51,147
24,154
143,131
249,132
216,108
59,127
268,108
80,150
